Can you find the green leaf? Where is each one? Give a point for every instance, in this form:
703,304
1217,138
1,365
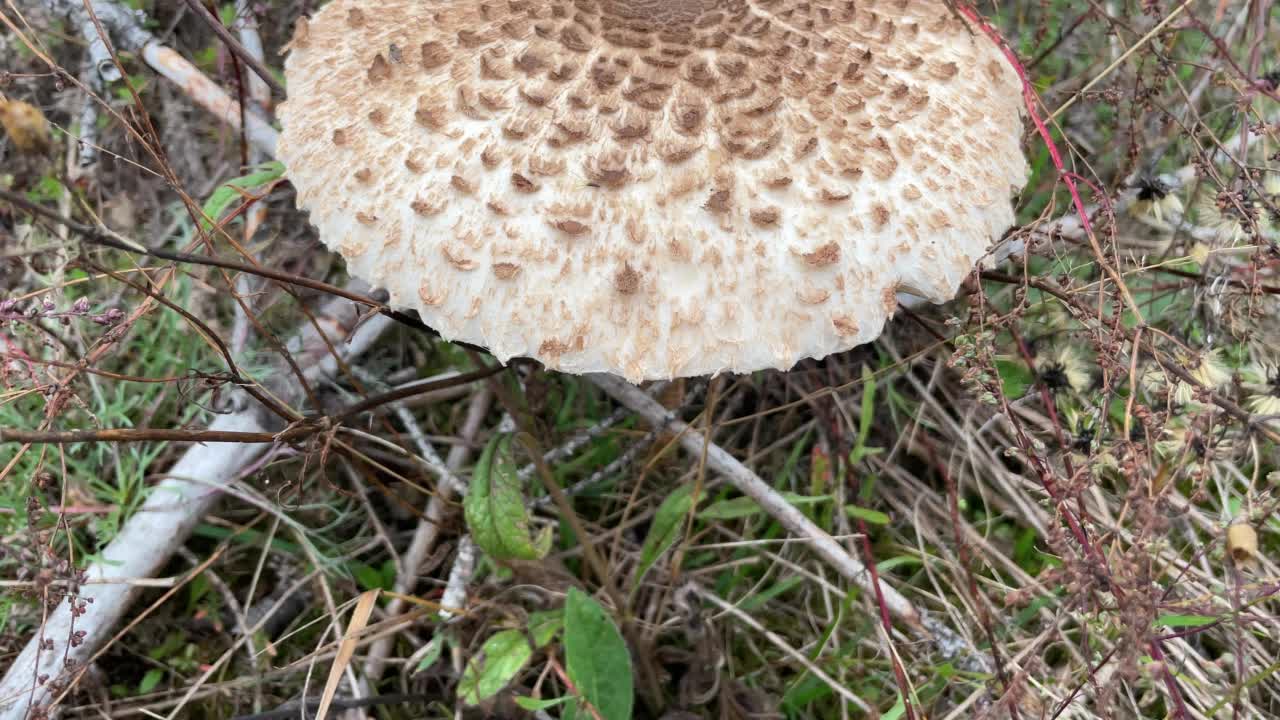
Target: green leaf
434,648
1015,378
543,626
46,190
247,536
231,192
172,643
793,459
501,657
809,689
819,471
150,681
896,562
896,711
197,589
495,508
367,577
666,528
1185,621
860,449
596,657
740,507
760,599
875,517
1028,613
535,704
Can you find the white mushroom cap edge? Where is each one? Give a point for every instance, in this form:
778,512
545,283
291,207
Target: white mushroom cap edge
653,189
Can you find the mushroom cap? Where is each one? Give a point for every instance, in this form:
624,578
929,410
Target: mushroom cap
653,188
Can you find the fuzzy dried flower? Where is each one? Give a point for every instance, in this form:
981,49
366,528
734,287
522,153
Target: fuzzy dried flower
1155,198
1234,216
1065,368
1262,380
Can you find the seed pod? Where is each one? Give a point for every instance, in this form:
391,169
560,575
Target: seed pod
25,125
1242,543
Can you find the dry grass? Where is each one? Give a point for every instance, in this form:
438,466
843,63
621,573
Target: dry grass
1062,468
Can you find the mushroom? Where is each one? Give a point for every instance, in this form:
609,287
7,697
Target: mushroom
653,188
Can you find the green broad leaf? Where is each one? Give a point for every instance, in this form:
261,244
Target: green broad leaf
667,525
495,508
741,507
232,192
432,654
596,658
1185,621
535,704
501,657
875,517
1015,378
150,681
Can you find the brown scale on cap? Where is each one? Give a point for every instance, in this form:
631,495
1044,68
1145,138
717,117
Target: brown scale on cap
780,166
627,280
828,254
505,270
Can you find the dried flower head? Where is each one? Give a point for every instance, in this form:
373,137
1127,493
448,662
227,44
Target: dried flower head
25,125
1242,543
1082,428
1065,368
1271,183
1263,383
1234,216
1271,80
1271,199
1155,198
1206,367
1181,441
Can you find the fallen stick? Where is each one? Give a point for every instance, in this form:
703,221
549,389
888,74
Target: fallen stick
795,522
123,25
246,25
150,536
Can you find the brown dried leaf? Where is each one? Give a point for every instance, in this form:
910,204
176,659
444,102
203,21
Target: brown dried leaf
25,125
